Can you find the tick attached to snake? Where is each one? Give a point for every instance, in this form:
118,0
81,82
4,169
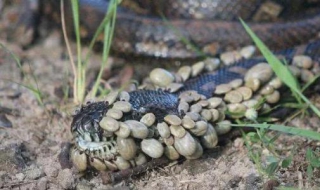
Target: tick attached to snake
183,113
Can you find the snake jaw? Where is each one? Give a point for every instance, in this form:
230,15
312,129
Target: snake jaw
84,145
88,134
86,121
106,149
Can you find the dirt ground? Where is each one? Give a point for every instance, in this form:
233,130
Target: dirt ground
30,150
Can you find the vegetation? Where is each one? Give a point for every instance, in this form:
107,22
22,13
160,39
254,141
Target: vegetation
32,85
262,140
261,144
80,69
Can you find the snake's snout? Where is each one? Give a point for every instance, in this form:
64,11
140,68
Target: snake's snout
86,122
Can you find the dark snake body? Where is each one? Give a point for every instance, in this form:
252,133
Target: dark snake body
205,84
133,29
148,34
162,103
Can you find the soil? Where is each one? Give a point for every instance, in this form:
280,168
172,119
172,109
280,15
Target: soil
33,150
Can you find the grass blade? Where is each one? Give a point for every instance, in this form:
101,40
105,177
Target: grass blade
34,88
108,35
81,77
280,69
105,20
281,128
65,36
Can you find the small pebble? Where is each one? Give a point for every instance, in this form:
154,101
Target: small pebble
83,186
34,173
51,171
20,176
42,184
238,143
66,179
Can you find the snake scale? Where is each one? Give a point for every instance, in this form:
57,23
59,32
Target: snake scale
211,27
181,114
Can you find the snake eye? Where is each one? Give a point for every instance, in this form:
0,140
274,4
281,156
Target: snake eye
90,127
87,127
87,119
76,111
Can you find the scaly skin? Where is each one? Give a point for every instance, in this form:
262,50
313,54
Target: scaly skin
163,103
211,29
151,35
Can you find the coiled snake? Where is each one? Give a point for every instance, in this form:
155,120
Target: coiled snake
181,114
197,27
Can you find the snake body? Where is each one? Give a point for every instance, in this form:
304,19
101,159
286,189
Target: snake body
185,35
185,28
162,101
129,128
101,146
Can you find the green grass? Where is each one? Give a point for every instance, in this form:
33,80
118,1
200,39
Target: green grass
313,159
257,143
32,85
80,68
284,129
290,81
287,188
280,69
269,163
267,141
261,136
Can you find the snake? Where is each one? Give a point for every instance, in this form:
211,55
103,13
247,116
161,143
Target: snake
183,29
182,114
195,28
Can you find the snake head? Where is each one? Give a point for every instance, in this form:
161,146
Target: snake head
85,124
